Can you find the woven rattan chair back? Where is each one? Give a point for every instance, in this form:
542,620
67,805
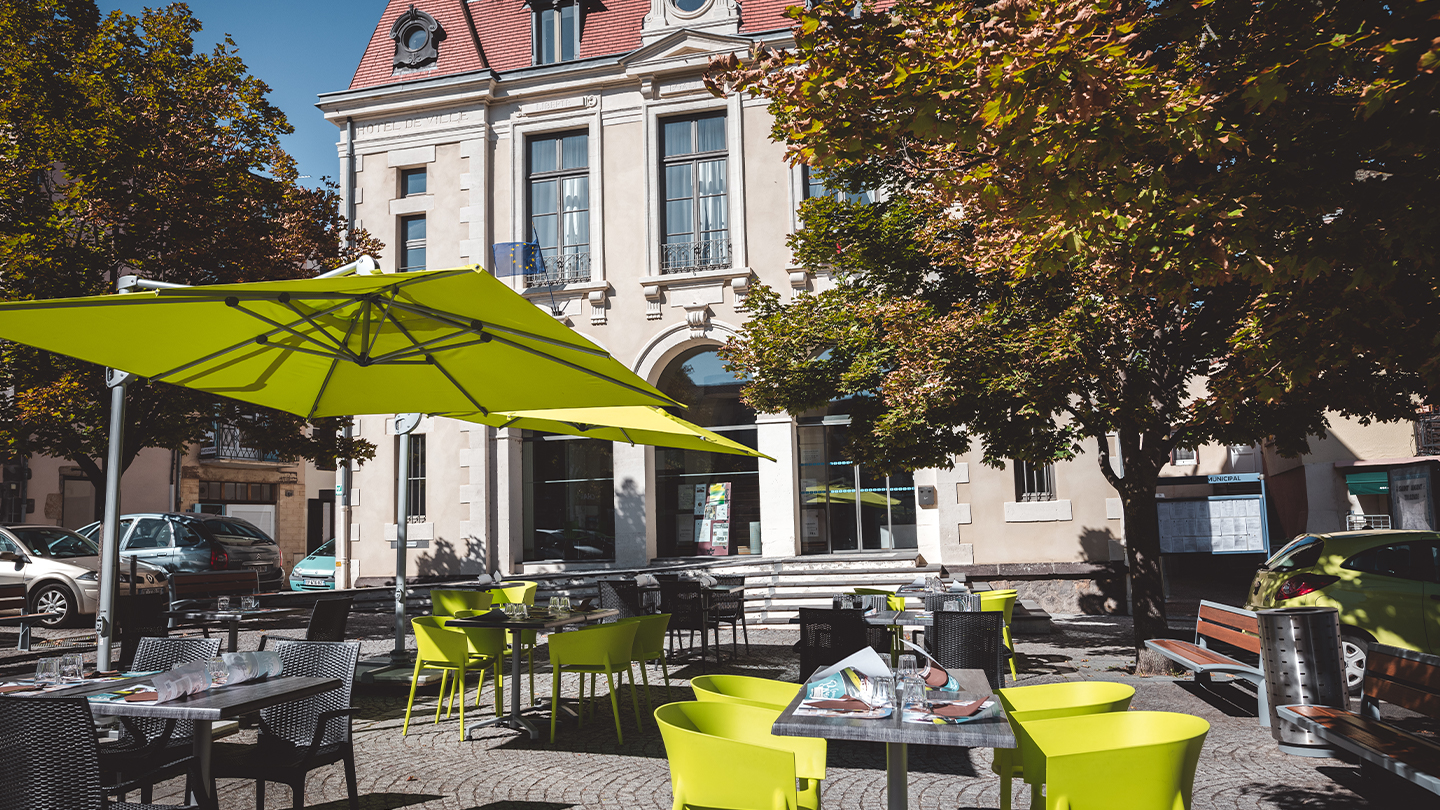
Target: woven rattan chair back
48,755
727,606
682,600
828,635
622,595
969,640
294,722
967,602
164,653
328,619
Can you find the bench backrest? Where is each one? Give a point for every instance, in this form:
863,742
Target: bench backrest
1234,626
1403,678
12,597
209,584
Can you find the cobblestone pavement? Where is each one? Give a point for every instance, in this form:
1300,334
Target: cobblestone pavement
432,767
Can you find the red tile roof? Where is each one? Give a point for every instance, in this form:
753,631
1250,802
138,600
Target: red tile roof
496,34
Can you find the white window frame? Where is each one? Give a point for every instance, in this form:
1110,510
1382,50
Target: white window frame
520,134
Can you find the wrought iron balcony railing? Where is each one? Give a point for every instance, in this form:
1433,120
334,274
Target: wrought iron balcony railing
693,257
226,443
566,268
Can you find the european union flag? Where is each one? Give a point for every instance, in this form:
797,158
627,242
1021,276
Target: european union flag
516,258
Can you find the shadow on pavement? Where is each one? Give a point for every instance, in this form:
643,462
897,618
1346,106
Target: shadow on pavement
383,801
1228,697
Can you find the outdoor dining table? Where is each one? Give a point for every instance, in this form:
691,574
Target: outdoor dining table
230,618
203,708
537,620
990,731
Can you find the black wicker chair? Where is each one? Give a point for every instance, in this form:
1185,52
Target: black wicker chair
49,757
828,636
969,640
622,595
151,750
302,735
137,617
684,601
729,608
328,619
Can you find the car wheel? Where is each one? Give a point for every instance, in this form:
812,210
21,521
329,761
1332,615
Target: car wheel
1353,654
56,600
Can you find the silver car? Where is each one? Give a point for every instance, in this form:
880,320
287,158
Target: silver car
61,571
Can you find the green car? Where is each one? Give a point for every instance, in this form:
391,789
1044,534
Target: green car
1386,585
317,571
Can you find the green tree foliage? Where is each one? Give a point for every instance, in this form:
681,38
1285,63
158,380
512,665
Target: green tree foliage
1169,224
124,151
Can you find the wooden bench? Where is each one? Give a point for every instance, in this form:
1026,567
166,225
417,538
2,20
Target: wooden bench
12,597
187,589
1410,680
1232,626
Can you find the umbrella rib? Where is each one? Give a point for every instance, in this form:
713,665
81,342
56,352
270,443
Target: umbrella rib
446,317
432,359
421,348
330,372
282,327
310,319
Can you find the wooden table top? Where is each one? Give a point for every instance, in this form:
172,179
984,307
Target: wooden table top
992,731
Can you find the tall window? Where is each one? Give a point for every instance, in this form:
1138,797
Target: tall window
560,206
845,506
415,480
557,31
412,243
412,182
569,498
697,231
815,186
1034,482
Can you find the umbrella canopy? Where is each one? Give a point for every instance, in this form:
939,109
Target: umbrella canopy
431,341
635,424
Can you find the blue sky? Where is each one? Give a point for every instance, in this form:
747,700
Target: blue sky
301,48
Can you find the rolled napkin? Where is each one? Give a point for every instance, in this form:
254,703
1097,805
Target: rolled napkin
959,708
847,704
646,580
484,579
707,580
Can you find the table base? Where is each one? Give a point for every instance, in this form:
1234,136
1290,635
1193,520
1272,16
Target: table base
511,721
897,777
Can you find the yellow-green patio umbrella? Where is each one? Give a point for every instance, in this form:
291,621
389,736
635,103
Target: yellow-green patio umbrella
429,341
635,424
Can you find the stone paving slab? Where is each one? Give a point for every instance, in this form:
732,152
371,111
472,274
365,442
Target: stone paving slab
431,767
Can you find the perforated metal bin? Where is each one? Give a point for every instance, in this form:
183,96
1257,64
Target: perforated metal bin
1303,665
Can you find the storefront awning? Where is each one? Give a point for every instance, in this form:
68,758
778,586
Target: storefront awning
1368,483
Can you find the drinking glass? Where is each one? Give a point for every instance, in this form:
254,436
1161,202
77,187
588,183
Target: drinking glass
222,603
911,692
554,604
950,606
72,667
564,604
905,667
882,692
217,671
249,602
47,671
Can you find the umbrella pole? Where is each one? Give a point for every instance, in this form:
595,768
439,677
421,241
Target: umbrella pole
109,541
404,423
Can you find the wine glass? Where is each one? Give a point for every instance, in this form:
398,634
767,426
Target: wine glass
222,603
249,602
217,671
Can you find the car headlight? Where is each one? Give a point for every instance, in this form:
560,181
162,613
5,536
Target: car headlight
89,576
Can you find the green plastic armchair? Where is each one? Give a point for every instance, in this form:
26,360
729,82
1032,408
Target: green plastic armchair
1023,704
761,771
605,649
487,649
444,602
1002,602
445,650
1118,760
744,690
650,646
893,600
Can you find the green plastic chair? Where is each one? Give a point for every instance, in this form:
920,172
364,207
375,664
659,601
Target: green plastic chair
442,649
1118,760
1003,602
761,771
605,649
450,602
744,690
1024,704
520,592
893,601
487,648
650,646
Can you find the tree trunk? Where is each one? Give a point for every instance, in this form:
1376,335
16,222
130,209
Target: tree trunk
1142,551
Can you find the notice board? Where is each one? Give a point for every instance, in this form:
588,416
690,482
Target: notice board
1228,524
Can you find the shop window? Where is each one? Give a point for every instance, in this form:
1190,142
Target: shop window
686,480
569,486
845,506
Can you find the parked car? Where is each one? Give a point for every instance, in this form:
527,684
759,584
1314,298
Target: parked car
61,572
1386,585
317,571
184,542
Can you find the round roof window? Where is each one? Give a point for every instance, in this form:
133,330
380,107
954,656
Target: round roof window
691,5
415,37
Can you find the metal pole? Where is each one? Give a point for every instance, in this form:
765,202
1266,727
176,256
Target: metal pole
109,542
404,423
343,574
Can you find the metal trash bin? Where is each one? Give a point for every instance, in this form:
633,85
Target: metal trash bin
1303,665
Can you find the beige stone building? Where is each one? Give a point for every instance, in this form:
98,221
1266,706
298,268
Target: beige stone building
656,207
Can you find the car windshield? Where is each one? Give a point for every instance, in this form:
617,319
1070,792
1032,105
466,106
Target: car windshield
56,544
327,550
235,533
1302,552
